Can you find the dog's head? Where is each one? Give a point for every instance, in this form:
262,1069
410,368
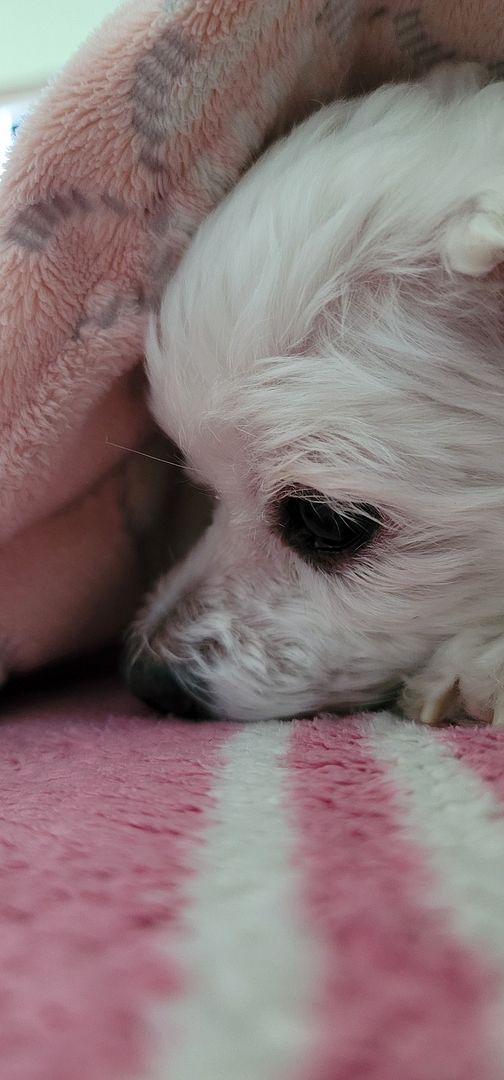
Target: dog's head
329,359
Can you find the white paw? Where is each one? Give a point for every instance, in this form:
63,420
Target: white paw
463,679
474,240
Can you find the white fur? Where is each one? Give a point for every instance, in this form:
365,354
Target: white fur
452,817
252,973
332,327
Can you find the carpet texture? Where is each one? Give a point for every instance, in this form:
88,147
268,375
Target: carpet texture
316,900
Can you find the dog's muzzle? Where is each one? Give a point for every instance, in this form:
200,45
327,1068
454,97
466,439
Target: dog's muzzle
166,688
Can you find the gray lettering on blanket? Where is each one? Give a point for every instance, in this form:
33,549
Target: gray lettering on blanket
114,204
34,225
414,39
155,86
104,310
171,227
37,223
338,18
163,269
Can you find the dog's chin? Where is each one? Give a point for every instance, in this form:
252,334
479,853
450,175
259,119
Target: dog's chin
351,706
373,701
193,689
354,707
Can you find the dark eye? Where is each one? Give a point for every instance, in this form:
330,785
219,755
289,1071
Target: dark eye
317,530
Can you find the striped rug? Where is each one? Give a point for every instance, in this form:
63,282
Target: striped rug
315,900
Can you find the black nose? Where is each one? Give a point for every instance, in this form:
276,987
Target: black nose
159,685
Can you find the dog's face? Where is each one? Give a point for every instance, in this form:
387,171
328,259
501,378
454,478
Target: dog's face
329,359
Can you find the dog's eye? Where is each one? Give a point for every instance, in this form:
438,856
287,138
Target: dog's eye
317,530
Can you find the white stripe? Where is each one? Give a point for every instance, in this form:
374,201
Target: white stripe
252,973
454,816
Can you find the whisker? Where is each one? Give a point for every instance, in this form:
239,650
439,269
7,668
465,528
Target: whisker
142,453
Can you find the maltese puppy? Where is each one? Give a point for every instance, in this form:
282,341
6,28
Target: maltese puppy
329,359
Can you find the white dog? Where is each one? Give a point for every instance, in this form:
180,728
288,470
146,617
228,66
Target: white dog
329,357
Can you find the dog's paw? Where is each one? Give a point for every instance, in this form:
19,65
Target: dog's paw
473,243
463,679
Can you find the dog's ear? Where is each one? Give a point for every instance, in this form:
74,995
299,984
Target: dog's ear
473,243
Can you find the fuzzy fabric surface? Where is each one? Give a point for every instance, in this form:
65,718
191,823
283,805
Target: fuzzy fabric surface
315,900
125,153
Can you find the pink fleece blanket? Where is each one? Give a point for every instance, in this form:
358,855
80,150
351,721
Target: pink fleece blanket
320,900
140,135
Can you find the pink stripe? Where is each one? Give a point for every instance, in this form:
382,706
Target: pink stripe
100,807
482,750
402,998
